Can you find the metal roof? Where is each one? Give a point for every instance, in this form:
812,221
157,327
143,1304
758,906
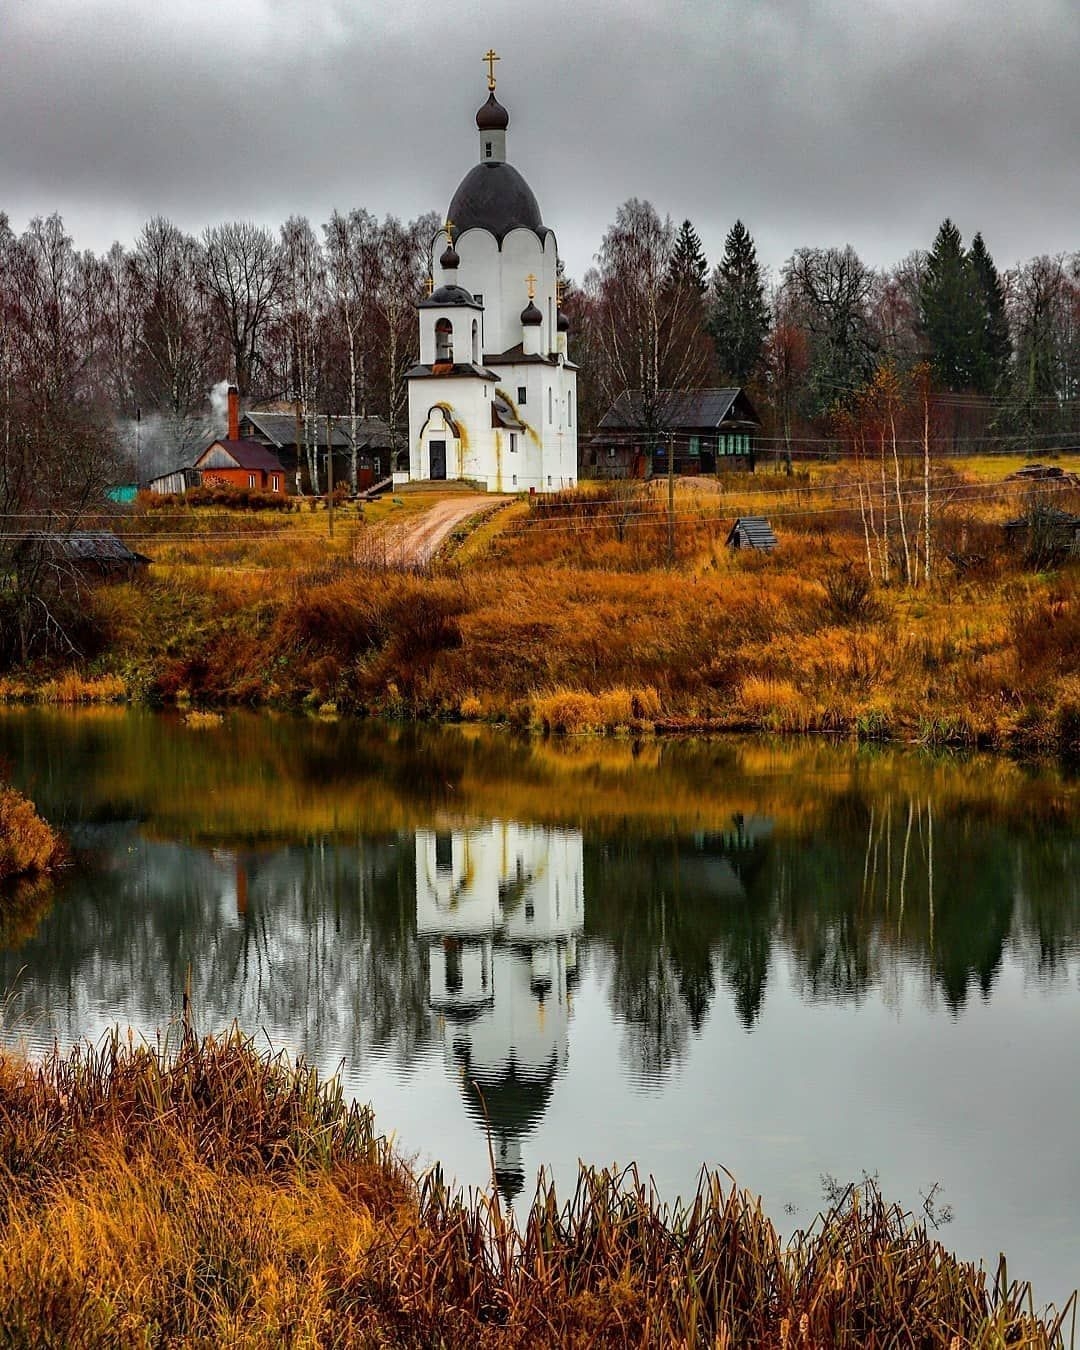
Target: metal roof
98,546
752,532
493,196
697,408
246,454
280,428
503,415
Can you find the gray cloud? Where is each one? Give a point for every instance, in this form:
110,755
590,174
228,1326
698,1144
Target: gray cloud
861,121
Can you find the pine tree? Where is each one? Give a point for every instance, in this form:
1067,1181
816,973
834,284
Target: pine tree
995,347
688,267
952,311
739,322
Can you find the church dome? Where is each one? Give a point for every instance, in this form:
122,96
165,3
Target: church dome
492,116
562,323
448,295
495,197
531,316
449,259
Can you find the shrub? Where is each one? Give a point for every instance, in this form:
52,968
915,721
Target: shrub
849,594
28,846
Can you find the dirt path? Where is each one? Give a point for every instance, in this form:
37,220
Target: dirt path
416,540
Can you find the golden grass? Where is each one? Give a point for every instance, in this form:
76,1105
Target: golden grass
28,846
205,1194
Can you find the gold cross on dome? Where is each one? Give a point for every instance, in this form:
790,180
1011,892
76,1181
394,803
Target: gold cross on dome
560,287
530,281
449,228
430,284
490,57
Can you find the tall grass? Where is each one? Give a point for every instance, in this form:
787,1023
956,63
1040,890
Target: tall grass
201,1193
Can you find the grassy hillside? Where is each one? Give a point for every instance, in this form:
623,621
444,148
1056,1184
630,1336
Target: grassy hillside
569,615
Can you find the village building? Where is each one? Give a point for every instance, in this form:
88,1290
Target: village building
493,398
238,462
706,430
499,908
302,448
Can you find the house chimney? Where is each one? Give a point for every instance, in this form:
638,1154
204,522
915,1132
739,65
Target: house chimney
234,413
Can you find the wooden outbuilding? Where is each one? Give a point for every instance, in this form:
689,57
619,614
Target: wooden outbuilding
706,430
752,532
94,554
277,431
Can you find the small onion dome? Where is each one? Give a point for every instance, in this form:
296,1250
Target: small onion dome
531,316
562,323
449,259
492,116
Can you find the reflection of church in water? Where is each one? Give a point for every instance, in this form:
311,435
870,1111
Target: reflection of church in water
500,907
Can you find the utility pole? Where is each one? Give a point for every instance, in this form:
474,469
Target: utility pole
330,474
671,499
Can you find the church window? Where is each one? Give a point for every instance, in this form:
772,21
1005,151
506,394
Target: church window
530,912
475,343
515,480
521,393
444,853
478,297
551,406
487,149
513,442
569,411
444,340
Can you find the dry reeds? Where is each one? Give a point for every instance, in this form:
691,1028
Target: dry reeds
204,1194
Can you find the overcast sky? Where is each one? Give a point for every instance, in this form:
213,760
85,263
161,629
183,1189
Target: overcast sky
816,122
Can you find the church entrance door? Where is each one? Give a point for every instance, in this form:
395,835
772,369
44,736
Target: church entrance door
437,452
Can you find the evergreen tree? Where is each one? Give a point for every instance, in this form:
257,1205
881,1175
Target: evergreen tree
739,322
952,311
995,347
689,268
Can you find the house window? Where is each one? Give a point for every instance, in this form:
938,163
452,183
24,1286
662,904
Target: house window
513,442
378,464
611,452
522,391
275,483
251,480
695,446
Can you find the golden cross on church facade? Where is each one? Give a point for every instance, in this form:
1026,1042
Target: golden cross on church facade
449,228
530,281
490,57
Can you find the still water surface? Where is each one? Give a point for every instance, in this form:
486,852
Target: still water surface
795,962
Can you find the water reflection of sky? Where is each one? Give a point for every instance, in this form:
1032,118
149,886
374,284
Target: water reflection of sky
894,989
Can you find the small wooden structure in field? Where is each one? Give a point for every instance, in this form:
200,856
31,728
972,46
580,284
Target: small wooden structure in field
93,553
752,532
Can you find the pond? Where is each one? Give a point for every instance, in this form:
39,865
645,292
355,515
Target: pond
801,962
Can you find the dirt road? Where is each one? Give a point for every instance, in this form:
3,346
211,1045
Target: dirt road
416,540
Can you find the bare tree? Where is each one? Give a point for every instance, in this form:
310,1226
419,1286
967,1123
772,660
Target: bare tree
303,299
650,334
351,256
403,263
242,273
828,291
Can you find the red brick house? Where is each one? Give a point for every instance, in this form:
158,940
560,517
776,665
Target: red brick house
240,462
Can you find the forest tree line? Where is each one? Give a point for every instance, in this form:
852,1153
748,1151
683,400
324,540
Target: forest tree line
326,317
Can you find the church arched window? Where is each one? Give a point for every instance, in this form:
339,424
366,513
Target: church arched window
475,343
444,340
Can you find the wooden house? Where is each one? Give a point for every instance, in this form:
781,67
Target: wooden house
239,462
705,430
277,431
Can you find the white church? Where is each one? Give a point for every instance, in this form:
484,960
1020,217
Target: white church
493,398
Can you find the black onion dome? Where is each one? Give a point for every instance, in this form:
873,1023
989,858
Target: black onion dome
494,196
448,295
492,116
562,323
449,259
531,316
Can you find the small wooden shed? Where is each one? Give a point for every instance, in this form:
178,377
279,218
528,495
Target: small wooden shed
752,532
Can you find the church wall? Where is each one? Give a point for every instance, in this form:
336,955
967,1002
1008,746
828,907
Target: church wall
522,254
479,275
